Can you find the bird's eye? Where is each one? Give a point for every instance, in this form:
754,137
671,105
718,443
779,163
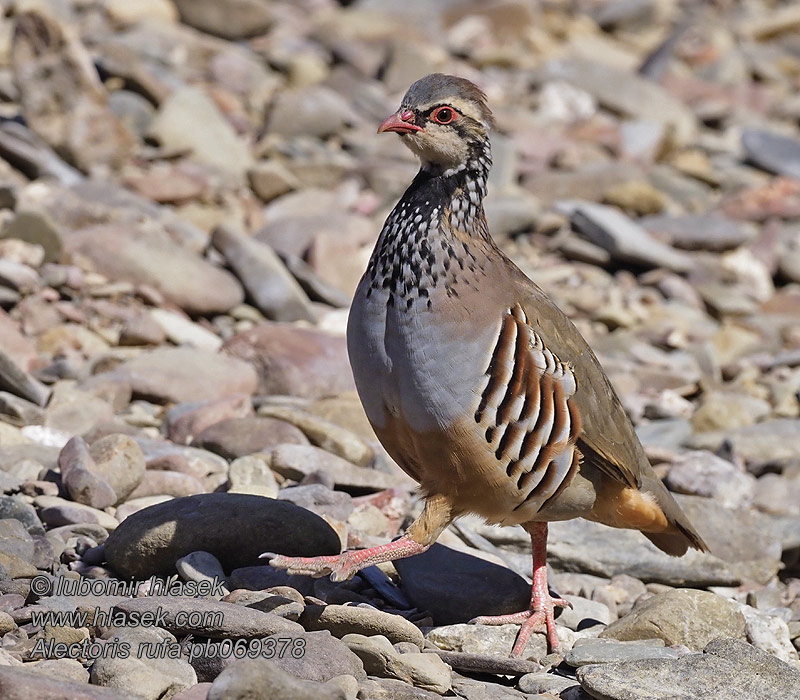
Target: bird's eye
444,115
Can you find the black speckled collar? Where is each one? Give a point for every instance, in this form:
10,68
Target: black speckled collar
425,242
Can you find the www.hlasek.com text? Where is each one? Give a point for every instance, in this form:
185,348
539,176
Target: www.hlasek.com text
97,617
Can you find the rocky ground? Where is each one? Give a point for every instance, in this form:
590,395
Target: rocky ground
189,191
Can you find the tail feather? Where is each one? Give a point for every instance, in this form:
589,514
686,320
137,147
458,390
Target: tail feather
677,543
681,534
651,509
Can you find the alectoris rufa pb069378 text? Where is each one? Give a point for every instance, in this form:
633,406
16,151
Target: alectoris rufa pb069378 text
475,382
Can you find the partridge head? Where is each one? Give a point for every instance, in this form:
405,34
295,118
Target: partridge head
444,120
475,382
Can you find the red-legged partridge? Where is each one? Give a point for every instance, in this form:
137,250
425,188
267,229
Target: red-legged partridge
475,382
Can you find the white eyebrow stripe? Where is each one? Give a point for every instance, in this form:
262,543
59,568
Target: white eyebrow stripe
463,107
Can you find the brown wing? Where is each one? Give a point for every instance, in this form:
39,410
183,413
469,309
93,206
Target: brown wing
607,438
526,414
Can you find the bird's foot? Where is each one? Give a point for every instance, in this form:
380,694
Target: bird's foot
540,616
340,566
345,565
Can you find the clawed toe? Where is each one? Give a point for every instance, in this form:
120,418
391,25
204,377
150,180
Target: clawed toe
496,620
540,617
340,567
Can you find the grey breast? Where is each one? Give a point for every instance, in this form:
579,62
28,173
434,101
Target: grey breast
422,363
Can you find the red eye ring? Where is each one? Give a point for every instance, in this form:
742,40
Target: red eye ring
444,115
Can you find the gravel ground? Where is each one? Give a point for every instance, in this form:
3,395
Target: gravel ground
189,192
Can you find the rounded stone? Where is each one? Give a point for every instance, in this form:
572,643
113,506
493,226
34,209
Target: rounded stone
36,227
680,616
248,679
251,474
238,437
120,461
455,587
340,620
235,528
151,675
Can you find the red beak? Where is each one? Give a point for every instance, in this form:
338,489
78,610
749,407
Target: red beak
401,122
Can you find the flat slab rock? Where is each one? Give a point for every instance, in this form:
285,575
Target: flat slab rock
484,642
741,549
238,437
143,257
171,375
273,289
487,663
189,119
21,684
318,656
381,659
17,381
605,651
150,677
773,441
699,232
230,621
772,152
235,528
262,678
622,237
392,689
484,689
726,670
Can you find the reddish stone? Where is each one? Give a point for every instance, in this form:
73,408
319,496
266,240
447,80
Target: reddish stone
780,197
187,420
15,344
294,361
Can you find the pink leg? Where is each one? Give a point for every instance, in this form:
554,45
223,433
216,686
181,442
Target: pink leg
421,534
542,603
343,566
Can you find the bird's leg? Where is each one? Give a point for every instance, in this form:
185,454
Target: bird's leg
542,603
421,534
